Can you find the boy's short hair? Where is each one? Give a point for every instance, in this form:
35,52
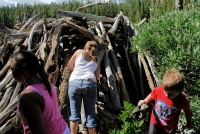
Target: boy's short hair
173,80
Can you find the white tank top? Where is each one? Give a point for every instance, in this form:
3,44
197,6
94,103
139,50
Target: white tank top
83,69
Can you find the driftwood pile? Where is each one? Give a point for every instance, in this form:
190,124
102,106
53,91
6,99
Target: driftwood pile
124,76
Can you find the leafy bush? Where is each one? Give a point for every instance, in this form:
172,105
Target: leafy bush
195,107
173,42
129,124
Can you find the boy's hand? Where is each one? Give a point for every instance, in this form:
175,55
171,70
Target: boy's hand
146,100
141,102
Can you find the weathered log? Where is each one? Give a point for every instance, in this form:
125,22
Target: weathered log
6,98
63,88
147,72
32,32
103,83
53,60
21,35
41,51
10,83
142,22
111,83
140,76
125,94
5,29
45,31
87,16
16,91
103,97
8,77
131,30
103,36
32,19
112,31
98,31
85,32
131,73
116,65
8,125
9,109
5,45
4,69
106,120
152,69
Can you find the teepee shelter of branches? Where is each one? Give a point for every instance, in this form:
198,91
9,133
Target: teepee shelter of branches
124,75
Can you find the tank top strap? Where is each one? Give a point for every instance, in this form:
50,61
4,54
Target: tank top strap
80,57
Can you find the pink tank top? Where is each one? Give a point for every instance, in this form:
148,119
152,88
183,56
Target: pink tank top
53,120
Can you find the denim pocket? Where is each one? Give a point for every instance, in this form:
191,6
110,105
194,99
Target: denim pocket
73,90
91,91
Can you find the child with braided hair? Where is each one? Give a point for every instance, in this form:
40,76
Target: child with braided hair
38,102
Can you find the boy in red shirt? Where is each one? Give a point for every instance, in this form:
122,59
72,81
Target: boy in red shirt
169,101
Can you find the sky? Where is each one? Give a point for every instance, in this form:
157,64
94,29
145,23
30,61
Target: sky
15,2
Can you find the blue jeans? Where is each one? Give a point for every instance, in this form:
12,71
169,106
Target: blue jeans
81,89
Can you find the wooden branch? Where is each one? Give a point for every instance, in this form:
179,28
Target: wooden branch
6,98
32,19
131,73
16,91
104,35
8,77
112,31
4,69
9,109
152,68
111,83
140,72
142,22
32,32
52,61
84,31
5,29
98,31
12,81
103,97
22,35
5,45
147,72
6,127
63,88
117,67
87,16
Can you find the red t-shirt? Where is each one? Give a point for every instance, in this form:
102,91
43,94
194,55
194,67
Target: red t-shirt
166,111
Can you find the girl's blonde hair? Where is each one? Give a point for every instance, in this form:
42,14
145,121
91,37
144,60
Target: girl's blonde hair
93,48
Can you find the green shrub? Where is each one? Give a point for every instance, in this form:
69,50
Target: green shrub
173,41
195,107
129,125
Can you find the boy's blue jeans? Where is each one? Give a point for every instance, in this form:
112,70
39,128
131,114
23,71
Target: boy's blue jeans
82,89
